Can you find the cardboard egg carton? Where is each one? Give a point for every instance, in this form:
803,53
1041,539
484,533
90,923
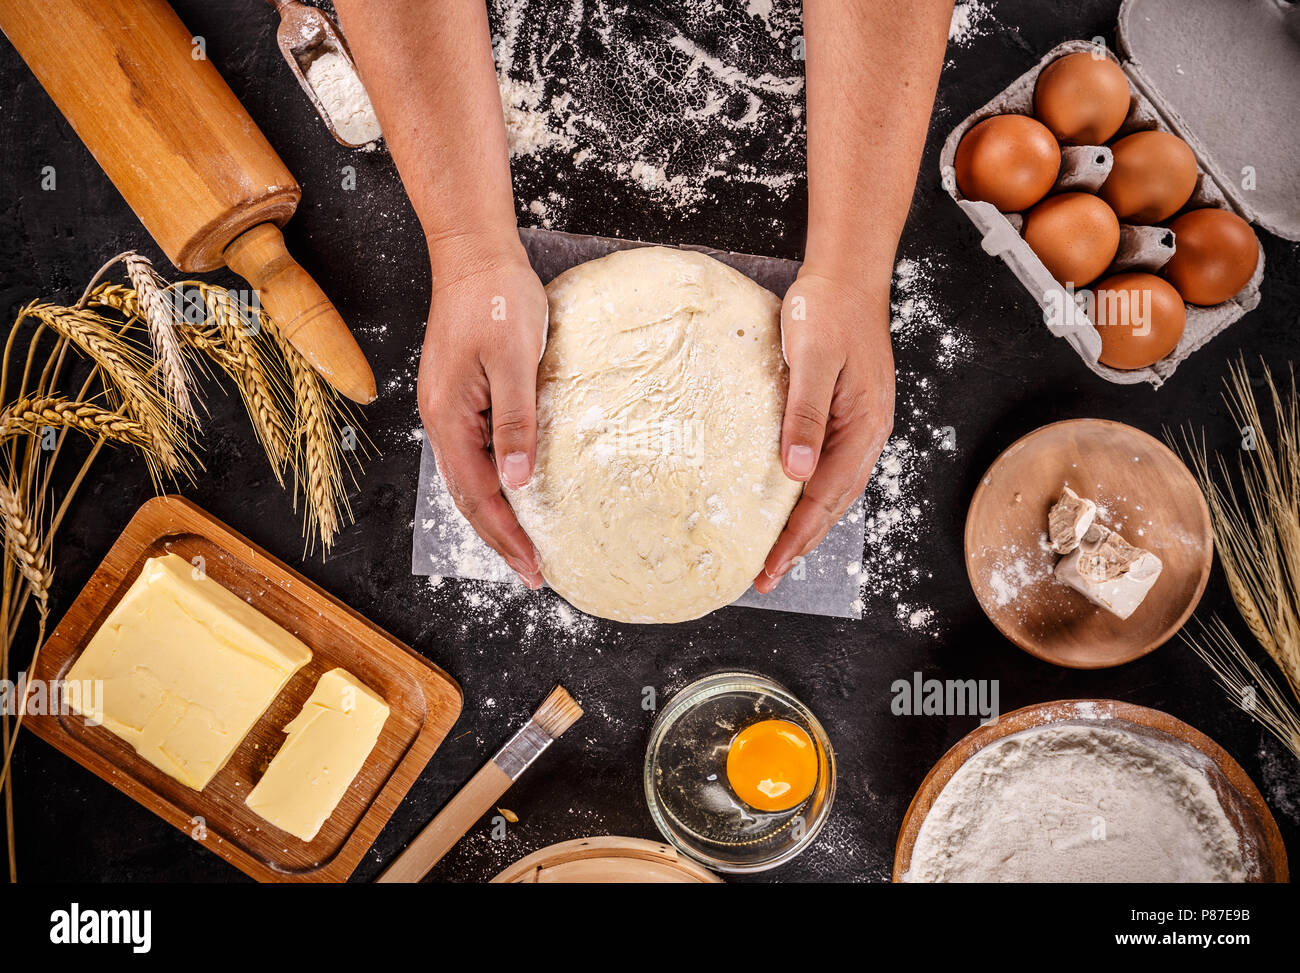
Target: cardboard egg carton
1084,168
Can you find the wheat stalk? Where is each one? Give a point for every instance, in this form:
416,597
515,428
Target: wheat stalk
261,392
126,380
324,431
203,338
1257,534
23,545
318,461
33,416
160,316
1251,689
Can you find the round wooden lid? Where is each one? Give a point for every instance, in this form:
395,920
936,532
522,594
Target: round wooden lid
606,860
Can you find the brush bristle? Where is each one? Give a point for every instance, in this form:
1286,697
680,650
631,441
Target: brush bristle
558,712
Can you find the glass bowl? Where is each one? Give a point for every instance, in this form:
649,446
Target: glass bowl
686,780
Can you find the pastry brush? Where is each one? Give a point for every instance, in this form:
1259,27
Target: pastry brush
558,712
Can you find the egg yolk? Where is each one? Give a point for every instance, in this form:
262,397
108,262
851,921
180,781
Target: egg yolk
772,765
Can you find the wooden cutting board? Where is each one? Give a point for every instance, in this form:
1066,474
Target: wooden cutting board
424,703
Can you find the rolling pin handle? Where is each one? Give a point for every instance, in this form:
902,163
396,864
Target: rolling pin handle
301,310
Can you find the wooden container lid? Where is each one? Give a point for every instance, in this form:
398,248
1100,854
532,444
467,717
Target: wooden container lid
608,859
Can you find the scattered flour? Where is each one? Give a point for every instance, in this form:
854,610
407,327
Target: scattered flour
656,101
916,313
898,496
1010,577
970,19
487,608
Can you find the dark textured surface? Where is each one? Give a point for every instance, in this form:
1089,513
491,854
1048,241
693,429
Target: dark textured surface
366,250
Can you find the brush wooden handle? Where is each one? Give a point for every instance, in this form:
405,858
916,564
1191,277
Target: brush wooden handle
301,310
441,834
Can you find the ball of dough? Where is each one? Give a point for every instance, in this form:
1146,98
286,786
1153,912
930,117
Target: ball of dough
658,489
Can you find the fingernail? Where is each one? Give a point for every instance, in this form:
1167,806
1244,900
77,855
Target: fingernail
514,470
520,566
531,578
781,572
799,461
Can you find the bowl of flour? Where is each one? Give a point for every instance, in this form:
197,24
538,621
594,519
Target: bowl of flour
1088,791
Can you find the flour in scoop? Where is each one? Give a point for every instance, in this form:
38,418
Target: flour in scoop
343,97
1079,802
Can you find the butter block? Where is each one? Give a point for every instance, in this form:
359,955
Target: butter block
185,668
327,744
1109,571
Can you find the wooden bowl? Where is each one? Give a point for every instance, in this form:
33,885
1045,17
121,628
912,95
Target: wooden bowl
606,860
1141,489
1245,807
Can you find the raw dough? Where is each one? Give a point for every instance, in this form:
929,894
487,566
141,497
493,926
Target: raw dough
658,489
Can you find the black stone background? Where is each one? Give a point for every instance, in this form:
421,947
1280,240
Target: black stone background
370,258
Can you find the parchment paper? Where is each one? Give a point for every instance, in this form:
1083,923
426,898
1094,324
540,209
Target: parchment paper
444,544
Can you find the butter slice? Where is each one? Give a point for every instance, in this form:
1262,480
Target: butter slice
327,745
185,668
1109,571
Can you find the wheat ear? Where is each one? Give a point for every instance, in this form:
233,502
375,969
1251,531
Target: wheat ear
125,371
160,318
23,542
31,416
244,362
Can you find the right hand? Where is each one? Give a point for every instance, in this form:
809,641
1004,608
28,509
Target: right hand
477,391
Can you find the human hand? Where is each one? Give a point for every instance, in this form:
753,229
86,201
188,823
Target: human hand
840,408
477,390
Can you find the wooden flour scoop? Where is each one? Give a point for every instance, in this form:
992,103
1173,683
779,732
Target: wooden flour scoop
138,89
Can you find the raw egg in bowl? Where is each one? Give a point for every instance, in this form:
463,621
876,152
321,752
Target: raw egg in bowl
739,774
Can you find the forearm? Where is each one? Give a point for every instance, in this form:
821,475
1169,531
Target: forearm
872,69
427,65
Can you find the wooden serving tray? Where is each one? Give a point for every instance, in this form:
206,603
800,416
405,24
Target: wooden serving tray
424,702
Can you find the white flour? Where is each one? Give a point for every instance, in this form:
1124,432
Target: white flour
343,97
659,102
1078,802
897,500
968,22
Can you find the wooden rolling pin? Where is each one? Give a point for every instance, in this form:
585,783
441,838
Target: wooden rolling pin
140,92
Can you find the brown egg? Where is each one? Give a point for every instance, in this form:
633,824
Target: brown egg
1082,99
1075,235
1152,178
1140,318
1215,253
1010,161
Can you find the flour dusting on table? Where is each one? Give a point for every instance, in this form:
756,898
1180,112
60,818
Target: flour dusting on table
898,497
658,101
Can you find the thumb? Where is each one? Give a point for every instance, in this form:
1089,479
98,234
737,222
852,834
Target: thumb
813,373
513,388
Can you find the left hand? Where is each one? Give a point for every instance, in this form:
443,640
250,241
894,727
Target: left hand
840,408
